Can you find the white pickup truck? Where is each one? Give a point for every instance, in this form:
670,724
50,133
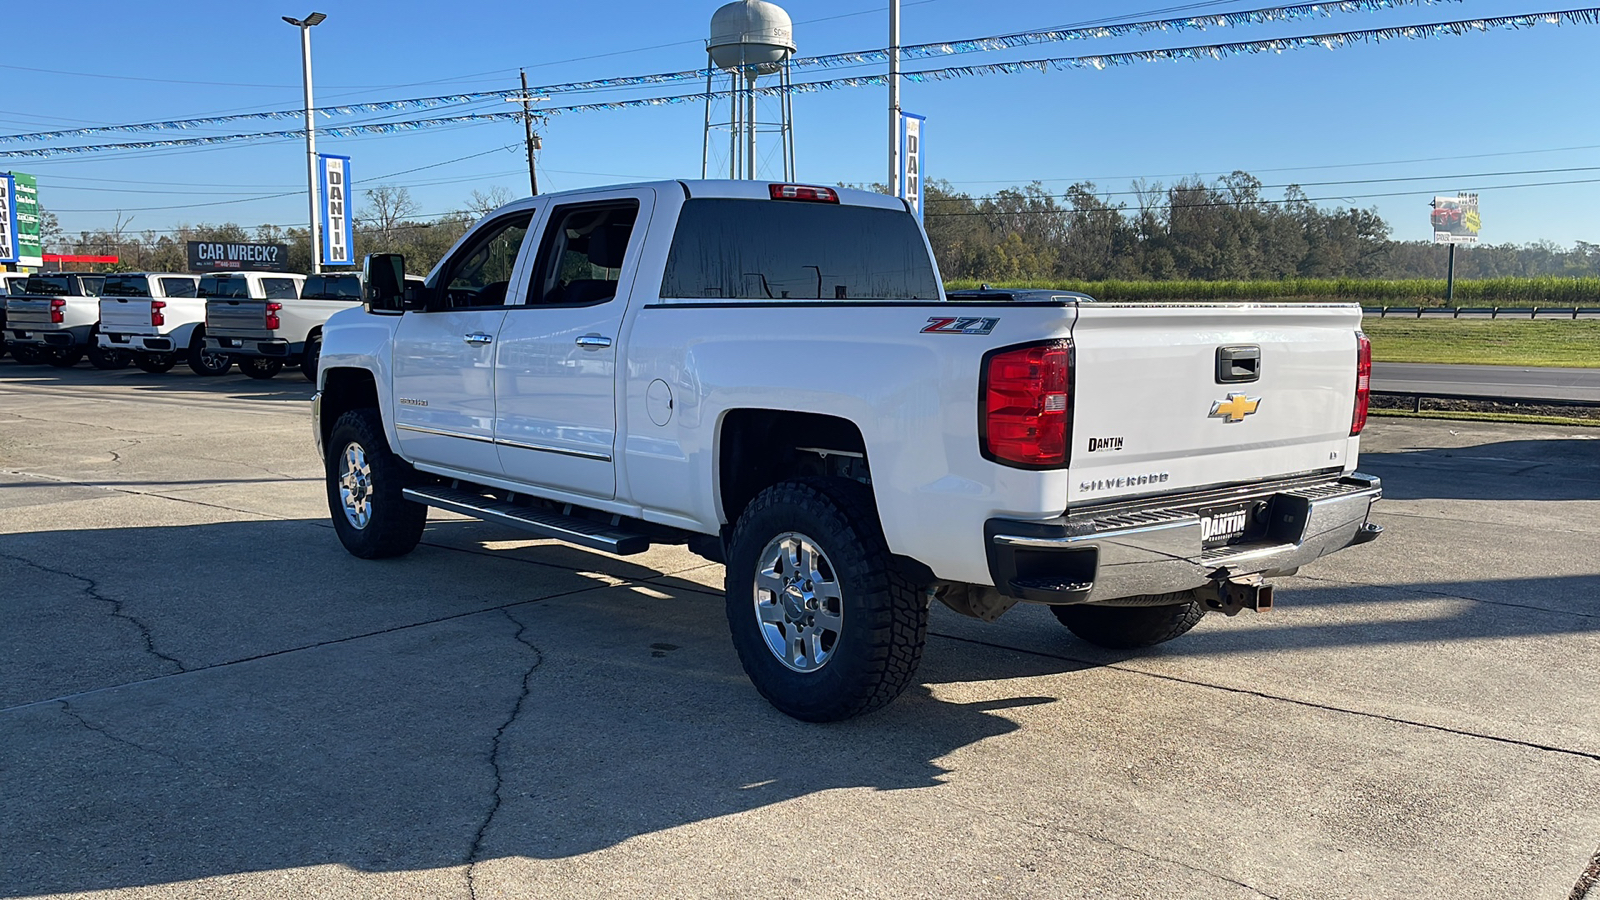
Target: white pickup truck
10,283
158,317
264,331
55,319
772,375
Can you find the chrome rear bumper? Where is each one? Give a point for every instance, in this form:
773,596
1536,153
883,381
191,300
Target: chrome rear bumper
1091,558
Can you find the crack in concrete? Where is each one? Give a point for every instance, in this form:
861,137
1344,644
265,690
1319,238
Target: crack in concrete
1099,839
475,851
92,588
77,717
1310,704
1587,880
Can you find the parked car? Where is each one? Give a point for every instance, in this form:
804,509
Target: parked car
267,320
10,282
56,320
772,375
157,317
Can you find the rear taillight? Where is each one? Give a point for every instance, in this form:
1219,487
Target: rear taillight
1358,419
157,317
58,309
1024,417
803,192
272,315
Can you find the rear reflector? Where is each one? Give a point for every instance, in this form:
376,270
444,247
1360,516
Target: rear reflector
803,192
1358,419
1024,414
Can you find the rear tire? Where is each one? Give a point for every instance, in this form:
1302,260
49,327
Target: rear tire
364,484
155,363
825,624
259,367
64,359
310,356
210,363
1133,627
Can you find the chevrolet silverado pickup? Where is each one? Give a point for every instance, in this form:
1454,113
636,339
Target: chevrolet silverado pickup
244,317
156,316
264,333
10,283
56,319
772,375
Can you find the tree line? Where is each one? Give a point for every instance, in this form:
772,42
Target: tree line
1194,230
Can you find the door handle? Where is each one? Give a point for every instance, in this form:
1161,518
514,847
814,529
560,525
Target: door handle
593,341
477,337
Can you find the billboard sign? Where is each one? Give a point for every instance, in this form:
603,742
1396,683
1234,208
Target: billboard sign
8,220
25,219
911,180
338,234
228,256
1455,219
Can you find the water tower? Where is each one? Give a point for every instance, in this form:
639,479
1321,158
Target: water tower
749,39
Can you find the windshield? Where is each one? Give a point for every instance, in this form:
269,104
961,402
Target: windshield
786,250
126,286
331,287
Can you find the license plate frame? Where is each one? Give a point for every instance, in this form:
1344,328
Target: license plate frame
1223,525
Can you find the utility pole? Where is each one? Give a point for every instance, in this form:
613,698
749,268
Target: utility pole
894,97
527,102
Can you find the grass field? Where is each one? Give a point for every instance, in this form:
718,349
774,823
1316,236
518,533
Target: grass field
1540,291
1500,342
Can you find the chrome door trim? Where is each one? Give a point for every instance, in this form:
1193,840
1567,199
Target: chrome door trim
562,451
439,432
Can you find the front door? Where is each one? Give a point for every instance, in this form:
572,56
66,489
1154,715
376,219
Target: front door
556,381
444,356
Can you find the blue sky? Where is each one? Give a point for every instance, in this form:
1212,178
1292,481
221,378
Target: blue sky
1449,112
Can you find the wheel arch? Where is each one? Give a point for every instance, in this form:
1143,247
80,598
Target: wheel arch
757,448
345,388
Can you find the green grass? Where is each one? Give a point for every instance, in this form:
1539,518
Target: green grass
1475,342
1516,418
1523,292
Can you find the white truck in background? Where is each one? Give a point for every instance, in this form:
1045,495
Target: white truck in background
10,283
159,318
264,331
772,375
55,320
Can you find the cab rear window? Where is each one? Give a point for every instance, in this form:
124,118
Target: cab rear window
127,286
783,250
331,287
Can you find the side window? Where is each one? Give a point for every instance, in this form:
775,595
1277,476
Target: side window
480,273
581,255
280,289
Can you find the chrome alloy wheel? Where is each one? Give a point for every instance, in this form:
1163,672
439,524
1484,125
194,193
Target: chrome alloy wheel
355,485
798,602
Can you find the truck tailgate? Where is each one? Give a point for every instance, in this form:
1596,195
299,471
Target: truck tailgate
237,318
28,314
1157,406
126,315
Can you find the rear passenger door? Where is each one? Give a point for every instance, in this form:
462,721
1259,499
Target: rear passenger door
556,377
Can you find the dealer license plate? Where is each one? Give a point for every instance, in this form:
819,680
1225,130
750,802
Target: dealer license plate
1219,526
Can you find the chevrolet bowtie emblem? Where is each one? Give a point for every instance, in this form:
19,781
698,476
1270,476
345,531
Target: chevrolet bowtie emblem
1235,408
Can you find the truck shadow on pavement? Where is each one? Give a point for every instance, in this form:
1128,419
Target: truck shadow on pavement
1550,469
247,698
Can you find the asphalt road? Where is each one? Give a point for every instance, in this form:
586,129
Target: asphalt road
202,695
1511,382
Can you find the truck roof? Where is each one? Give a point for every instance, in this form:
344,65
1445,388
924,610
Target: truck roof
723,188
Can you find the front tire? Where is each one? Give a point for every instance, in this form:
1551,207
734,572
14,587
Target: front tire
260,367
364,481
309,357
155,363
825,624
1133,627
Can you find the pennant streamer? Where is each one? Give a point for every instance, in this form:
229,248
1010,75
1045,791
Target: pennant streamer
1060,64
858,57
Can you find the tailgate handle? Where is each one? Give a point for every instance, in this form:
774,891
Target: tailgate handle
1238,365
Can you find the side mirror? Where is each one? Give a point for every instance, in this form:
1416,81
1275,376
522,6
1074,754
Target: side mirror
384,275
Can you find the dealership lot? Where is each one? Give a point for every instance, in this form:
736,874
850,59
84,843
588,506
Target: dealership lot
201,694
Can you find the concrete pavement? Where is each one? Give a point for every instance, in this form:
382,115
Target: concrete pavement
202,695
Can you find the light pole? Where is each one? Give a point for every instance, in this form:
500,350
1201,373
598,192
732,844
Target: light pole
894,97
311,135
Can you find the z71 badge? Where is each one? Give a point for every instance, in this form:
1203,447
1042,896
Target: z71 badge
959,325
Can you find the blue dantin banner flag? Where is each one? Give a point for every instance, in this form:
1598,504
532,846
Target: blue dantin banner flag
8,220
911,161
338,233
